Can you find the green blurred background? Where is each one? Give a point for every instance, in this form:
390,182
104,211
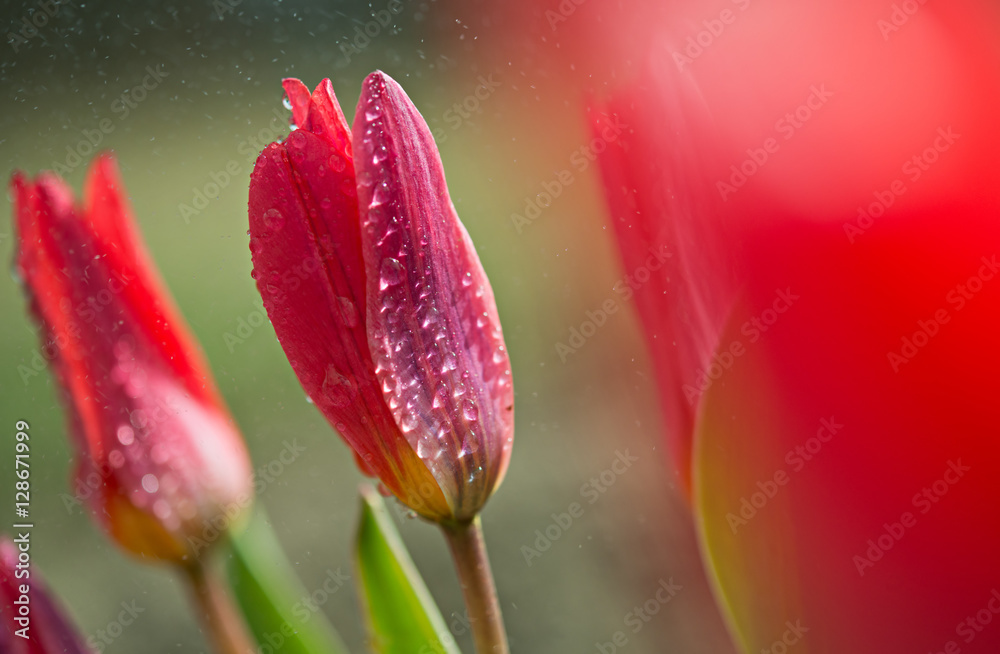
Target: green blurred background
223,62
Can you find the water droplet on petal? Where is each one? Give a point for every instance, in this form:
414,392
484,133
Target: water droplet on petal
326,203
338,388
150,484
450,362
348,312
273,219
391,273
469,410
126,435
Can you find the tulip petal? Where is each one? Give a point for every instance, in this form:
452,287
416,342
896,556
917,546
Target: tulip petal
432,320
844,489
306,250
665,215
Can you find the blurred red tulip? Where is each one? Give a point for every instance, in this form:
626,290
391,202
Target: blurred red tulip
379,300
33,623
159,460
825,181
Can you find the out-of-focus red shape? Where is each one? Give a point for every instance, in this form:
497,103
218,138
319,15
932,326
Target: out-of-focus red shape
32,621
379,300
825,181
158,456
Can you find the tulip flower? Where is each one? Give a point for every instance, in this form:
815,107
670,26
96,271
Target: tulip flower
379,300
824,332
158,456
159,461
33,622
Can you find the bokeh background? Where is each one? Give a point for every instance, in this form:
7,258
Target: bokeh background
219,65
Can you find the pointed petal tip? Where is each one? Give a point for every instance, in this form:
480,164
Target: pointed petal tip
299,97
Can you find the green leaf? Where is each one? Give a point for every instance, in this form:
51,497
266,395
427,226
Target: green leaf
272,598
401,614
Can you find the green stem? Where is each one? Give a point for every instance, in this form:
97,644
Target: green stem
468,549
217,612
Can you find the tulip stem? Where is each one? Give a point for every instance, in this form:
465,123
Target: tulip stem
468,549
217,612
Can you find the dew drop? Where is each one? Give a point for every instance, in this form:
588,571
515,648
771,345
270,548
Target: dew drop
255,245
348,312
116,459
149,483
325,203
337,163
126,435
338,388
467,280
273,219
450,362
391,273
286,103
470,411
423,449
297,140
379,196
408,423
